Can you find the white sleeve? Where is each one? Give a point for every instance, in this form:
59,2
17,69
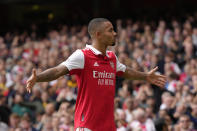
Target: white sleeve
120,66
75,61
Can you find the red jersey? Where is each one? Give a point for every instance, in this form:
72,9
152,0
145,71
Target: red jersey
96,78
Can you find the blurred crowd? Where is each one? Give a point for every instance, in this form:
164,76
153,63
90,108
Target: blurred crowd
171,45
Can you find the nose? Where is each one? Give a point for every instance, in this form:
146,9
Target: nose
115,34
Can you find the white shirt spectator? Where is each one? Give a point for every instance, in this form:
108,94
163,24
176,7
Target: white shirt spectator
147,126
129,116
122,128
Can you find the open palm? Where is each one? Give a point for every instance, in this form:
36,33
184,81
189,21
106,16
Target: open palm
31,81
155,78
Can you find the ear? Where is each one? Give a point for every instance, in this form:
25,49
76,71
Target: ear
97,34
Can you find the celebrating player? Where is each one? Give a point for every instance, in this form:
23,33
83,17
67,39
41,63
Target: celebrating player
96,70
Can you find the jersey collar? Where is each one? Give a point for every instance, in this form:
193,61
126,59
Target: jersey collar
95,51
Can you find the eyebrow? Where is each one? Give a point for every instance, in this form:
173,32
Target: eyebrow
111,28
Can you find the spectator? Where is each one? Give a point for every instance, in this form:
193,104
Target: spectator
184,124
4,110
141,122
193,115
17,107
14,121
25,124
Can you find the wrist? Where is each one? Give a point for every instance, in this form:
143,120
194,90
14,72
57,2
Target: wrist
146,75
36,79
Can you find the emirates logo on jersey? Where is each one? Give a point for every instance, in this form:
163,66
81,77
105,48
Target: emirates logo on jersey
112,64
97,74
104,78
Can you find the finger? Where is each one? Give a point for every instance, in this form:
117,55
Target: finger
162,80
154,70
160,84
28,87
29,90
162,76
28,81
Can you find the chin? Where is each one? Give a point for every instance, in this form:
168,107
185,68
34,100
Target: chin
113,44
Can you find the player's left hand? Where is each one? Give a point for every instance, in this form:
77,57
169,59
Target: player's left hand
156,79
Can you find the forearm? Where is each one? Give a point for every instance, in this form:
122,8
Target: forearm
48,75
134,74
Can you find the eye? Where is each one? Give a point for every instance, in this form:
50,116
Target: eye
110,29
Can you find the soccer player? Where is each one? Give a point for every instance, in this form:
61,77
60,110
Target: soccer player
96,70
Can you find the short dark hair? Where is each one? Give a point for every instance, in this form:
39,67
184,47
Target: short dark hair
95,24
184,116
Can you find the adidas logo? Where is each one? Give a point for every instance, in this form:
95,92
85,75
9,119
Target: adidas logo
96,64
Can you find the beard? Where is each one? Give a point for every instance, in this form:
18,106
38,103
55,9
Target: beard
113,44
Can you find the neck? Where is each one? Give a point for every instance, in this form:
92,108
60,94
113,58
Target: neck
99,46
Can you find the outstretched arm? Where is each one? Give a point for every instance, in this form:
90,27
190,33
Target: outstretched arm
150,76
134,74
52,73
45,76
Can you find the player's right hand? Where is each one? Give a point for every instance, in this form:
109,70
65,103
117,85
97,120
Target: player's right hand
31,81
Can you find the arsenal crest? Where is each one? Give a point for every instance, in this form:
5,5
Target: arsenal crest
112,64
